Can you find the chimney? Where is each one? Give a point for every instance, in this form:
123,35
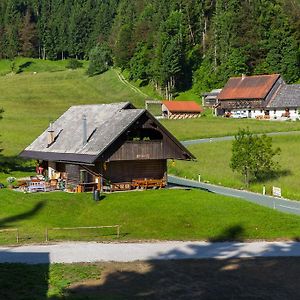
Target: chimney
84,130
50,134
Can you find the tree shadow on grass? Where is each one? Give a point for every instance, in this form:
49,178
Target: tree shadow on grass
5,222
23,275
264,178
232,233
14,163
24,66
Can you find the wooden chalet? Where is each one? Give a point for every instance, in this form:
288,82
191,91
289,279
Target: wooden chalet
172,109
107,146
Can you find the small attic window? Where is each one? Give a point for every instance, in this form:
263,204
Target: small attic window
144,134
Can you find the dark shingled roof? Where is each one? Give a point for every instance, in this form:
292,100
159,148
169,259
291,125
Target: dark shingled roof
288,96
248,87
105,123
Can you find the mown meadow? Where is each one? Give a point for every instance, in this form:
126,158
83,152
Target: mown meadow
146,215
213,164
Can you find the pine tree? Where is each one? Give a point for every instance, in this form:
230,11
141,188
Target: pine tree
28,36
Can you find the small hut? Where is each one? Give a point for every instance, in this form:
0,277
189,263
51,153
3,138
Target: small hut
181,109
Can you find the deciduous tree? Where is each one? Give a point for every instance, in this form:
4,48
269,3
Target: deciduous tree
253,156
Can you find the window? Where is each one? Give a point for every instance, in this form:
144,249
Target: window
83,176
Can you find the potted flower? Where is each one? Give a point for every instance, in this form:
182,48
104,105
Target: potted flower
10,181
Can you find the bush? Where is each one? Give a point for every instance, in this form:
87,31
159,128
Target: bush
74,64
100,60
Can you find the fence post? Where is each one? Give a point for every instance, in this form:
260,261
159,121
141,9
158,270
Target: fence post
17,236
46,234
118,231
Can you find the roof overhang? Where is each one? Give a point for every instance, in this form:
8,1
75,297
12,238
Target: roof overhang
61,157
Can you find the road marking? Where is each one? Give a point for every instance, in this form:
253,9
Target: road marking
293,208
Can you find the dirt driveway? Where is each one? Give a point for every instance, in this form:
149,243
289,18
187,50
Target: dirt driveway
254,278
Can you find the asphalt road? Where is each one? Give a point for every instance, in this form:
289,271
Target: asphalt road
280,204
75,252
230,138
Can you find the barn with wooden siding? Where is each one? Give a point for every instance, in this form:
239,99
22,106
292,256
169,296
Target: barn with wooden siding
107,145
172,109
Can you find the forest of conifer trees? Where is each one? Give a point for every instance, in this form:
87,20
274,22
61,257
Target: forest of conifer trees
175,44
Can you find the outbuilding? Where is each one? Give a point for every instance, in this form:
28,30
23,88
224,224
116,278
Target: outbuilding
181,109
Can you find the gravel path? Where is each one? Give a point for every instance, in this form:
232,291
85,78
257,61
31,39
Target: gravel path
73,252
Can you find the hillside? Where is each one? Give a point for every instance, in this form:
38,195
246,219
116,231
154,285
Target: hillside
175,45
31,100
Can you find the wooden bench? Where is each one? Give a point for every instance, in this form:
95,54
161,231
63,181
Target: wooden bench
148,183
120,186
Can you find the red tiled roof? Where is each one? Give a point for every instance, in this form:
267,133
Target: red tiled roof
248,87
183,106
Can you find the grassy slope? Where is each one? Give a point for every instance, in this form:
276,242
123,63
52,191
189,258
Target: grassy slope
32,100
183,215
216,156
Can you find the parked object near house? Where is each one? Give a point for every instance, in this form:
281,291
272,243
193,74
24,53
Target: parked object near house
107,147
260,97
181,109
210,99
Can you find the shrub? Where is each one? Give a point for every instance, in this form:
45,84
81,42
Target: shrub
74,64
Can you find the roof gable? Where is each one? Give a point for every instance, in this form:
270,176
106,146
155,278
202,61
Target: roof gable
183,106
248,87
105,124
287,96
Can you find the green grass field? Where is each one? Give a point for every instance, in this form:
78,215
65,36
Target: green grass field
216,126
161,215
45,89
213,165
31,101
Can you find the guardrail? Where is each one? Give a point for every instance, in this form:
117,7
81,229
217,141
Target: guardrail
77,228
12,230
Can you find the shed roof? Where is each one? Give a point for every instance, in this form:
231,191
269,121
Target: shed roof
183,106
248,87
288,96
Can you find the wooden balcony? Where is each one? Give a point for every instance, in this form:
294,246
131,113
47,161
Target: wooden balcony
139,150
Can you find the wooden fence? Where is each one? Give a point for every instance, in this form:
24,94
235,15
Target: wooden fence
12,230
77,228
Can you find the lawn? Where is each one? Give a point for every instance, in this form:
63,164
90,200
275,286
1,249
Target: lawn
213,165
38,282
161,215
209,126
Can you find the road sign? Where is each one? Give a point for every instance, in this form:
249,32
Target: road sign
276,191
